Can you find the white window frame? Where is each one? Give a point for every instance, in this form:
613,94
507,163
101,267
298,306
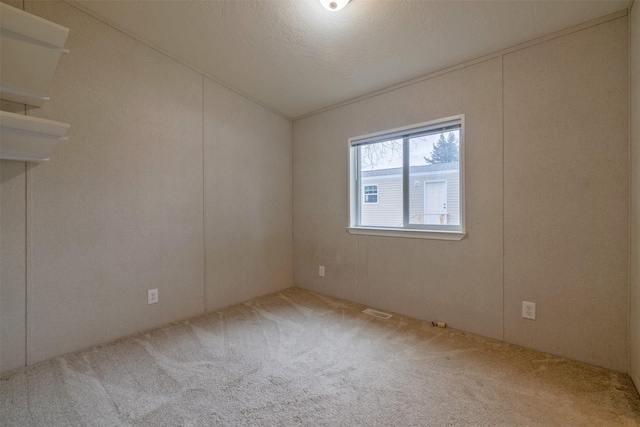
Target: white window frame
423,231
364,195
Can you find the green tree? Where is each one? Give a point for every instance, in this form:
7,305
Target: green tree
444,150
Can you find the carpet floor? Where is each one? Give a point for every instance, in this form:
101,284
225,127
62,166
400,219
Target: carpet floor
297,358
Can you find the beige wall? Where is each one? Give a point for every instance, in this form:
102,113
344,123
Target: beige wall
126,204
12,263
546,195
566,194
13,303
171,181
634,313
248,215
459,282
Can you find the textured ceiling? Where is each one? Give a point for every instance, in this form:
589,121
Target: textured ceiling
296,57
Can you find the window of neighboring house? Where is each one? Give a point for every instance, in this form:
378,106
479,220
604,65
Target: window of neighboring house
420,169
371,193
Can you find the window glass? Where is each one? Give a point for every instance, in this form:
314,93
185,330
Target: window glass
434,195
409,177
381,163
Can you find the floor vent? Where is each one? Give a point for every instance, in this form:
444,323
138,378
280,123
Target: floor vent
376,313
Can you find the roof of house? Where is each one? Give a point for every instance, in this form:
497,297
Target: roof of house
414,169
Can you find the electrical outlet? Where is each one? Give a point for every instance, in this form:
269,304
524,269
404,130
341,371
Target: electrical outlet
152,296
529,310
321,271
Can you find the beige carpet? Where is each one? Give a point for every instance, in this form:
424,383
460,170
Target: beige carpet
299,358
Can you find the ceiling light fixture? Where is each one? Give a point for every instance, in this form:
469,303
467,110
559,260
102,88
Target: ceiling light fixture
334,5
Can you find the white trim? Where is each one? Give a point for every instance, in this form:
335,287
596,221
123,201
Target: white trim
399,133
462,168
410,233
354,185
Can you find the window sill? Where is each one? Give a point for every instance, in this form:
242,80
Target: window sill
409,233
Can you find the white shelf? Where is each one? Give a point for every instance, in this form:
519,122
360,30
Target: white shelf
30,48
29,139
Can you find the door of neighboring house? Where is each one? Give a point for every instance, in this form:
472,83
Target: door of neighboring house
435,202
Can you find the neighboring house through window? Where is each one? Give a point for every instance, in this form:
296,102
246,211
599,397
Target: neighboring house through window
409,180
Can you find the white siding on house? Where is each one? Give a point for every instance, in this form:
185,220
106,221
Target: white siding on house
388,211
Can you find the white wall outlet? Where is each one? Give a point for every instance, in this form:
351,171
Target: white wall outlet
152,296
529,310
321,271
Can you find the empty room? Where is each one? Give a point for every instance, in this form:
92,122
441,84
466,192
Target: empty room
319,213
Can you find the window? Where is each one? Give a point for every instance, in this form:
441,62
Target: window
371,193
409,182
